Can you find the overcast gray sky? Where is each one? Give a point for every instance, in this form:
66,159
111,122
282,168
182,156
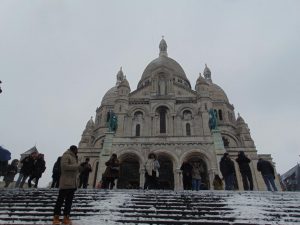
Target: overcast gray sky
58,58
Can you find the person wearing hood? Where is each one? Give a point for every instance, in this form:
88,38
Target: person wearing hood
67,185
245,170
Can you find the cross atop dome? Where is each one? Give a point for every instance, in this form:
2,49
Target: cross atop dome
163,47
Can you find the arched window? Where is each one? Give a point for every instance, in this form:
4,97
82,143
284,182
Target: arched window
162,120
138,130
220,115
188,129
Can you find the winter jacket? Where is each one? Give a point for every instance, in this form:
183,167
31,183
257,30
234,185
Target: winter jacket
243,162
112,169
265,167
12,170
186,169
85,169
69,171
38,168
152,165
27,165
226,166
56,170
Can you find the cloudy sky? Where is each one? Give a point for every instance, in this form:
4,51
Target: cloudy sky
58,58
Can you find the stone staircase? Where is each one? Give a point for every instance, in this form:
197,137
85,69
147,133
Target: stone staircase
35,206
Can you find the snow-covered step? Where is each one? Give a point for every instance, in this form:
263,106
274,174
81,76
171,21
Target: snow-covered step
153,207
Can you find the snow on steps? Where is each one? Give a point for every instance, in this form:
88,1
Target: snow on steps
35,206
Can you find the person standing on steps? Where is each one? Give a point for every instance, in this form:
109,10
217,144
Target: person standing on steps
186,169
67,185
151,173
12,170
228,171
84,174
111,172
245,170
56,173
267,172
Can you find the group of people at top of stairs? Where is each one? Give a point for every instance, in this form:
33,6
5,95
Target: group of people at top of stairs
32,167
191,173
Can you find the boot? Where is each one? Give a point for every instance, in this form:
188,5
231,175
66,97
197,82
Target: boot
56,220
67,220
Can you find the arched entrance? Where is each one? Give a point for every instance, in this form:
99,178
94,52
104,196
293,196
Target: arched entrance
129,172
198,159
166,175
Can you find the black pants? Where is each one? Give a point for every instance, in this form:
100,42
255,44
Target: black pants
108,182
83,181
151,182
247,180
36,181
187,182
66,195
55,182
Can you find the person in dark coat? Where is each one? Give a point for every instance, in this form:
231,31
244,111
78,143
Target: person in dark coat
38,169
186,169
228,171
56,173
12,170
26,169
111,172
245,170
267,172
84,174
67,185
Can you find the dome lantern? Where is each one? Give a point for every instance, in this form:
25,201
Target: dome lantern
120,76
163,47
207,73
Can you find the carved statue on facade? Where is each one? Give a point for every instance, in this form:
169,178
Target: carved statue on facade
212,119
112,122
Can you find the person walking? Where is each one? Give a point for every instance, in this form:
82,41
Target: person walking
196,177
12,170
84,174
245,170
228,171
217,183
186,169
111,172
26,169
267,172
151,173
38,169
56,173
67,185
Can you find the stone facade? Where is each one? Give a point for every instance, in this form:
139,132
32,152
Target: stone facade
166,116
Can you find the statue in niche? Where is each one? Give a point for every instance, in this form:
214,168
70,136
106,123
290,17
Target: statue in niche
112,122
212,119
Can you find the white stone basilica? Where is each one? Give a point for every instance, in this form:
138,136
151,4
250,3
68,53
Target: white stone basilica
166,116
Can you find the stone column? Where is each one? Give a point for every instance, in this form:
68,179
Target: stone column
178,185
105,153
218,146
142,177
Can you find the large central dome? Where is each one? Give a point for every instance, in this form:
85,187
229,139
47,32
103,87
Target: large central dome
163,61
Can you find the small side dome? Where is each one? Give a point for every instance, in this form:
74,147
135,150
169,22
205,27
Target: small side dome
217,93
201,80
90,123
240,120
125,83
110,96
